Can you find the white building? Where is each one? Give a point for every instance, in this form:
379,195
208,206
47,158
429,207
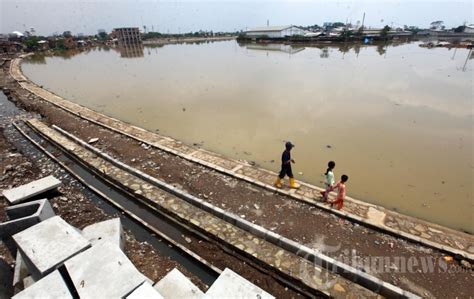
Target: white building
469,28
275,31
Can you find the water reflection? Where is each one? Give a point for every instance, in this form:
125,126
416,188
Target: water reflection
344,47
324,52
37,59
289,49
130,50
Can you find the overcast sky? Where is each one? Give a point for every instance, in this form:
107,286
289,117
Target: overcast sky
52,16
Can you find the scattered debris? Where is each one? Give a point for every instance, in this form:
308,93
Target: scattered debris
93,140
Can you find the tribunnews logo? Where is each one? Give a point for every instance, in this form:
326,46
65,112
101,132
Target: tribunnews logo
374,265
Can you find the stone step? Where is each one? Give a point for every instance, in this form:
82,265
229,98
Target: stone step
45,246
231,285
103,271
145,291
24,192
176,285
50,286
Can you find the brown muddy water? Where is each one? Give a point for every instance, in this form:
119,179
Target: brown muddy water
398,119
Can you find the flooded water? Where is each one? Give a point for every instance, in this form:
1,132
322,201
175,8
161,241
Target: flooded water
397,119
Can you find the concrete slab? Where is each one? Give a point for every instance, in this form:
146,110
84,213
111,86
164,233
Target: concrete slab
25,215
145,291
231,285
176,285
103,271
48,244
50,286
109,230
23,192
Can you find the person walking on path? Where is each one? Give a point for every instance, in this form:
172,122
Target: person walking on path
286,161
341,194
329,183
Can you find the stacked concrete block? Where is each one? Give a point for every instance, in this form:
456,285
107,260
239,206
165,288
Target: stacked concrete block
176,285
145,291
48,244
24,192
109,231
103,271
231,285
25,215
50,286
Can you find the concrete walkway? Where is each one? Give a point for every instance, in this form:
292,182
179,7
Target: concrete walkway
433,235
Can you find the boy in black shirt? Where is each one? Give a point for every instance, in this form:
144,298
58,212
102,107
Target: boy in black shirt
286,167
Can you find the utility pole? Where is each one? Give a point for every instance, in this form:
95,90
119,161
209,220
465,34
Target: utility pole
363,19
268,23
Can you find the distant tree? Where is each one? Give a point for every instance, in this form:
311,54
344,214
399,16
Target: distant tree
152,35
31,43
338,24
102,35
60,46
459,28
437,25
67,34
384,31
413,29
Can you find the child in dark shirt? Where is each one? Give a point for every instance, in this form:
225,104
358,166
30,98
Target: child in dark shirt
286,161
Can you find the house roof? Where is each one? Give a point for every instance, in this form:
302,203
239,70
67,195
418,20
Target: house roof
270,28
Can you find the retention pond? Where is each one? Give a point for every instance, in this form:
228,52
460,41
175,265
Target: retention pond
398,118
